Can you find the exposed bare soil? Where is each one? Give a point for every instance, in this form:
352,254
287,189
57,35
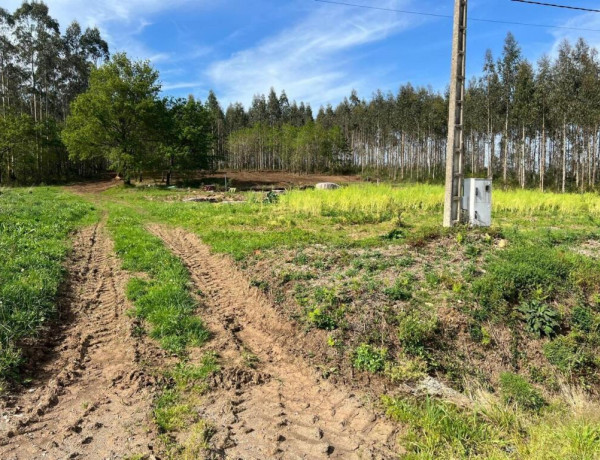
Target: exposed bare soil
268,401
91,395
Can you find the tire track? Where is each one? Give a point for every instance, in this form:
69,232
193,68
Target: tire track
91,398
282,409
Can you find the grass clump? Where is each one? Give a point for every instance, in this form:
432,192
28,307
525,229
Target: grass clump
438,429
516,390
417,331
401,289
34,240
569,354
522,273
369,358
164,300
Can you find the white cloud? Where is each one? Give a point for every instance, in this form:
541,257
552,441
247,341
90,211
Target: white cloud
120,21
589,21
310,59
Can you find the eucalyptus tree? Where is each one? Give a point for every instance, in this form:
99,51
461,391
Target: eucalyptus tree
508,66
542,107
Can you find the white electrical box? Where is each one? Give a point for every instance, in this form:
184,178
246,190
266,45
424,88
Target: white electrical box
477,202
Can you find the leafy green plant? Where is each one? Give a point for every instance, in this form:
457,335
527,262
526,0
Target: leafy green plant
406,369
417,330
164,300
369,358
437,429
582,318
322,318
401,290
541,319
516,390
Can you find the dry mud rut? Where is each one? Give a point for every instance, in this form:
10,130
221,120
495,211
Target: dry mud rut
90,397
282,409
93,391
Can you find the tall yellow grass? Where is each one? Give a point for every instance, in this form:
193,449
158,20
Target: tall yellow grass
379,202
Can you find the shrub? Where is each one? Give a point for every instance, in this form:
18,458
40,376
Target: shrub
541,319
321,318
416,331
368,358
516,390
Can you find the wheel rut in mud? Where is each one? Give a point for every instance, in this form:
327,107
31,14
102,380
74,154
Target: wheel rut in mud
91,397
268,402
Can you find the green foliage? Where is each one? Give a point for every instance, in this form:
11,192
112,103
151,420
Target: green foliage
569,354
401,290
164,300
369,358
117,117
170,413
34,229
406,369
324,318
439,429
582,318
541,319
417,331
516,390
185,374
520,273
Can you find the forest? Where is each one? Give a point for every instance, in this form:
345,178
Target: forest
71,111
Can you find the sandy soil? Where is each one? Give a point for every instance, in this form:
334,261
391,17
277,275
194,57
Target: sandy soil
91,396
279,407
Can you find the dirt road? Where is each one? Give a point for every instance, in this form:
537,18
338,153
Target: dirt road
90,397
281,408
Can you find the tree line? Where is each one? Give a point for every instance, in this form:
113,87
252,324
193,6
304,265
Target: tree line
526,125
41,73
68,110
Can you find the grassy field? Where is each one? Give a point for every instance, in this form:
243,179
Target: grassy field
508,317
35,225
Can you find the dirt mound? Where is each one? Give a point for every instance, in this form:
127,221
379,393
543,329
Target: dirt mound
91,397
284,409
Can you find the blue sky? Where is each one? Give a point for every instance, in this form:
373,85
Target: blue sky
317,52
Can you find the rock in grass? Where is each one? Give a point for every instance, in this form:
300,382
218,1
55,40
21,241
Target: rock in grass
326,186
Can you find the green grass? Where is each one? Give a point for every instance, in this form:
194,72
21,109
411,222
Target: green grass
164,299
35,225
437,429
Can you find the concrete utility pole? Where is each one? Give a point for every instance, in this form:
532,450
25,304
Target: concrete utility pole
456,146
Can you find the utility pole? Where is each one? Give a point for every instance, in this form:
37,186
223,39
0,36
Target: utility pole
455,146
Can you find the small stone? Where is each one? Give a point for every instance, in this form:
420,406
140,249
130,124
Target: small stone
319,433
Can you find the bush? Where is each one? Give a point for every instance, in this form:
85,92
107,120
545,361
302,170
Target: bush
516,390
368,358
417,330
541,319
321,318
